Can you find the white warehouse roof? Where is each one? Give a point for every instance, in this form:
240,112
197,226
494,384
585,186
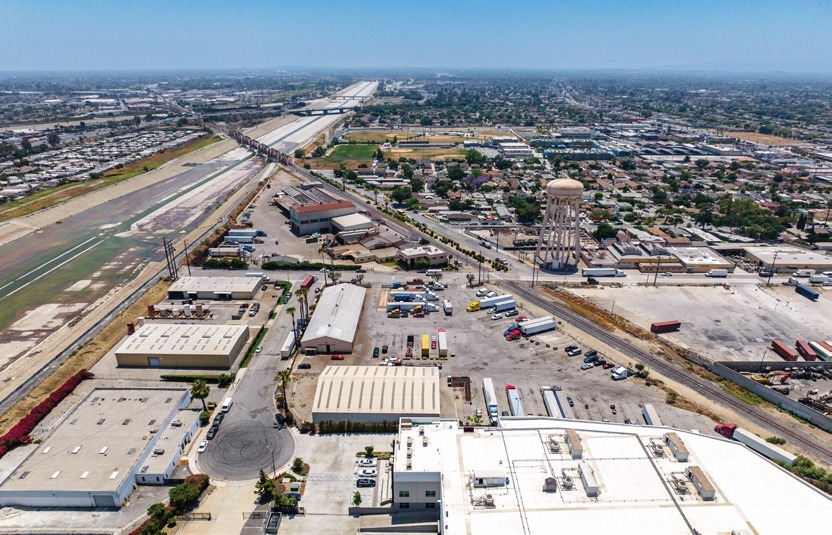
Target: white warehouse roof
378,390
336,314
634,470
215,284
188,339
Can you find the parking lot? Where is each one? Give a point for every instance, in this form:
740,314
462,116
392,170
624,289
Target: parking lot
716,321
477,349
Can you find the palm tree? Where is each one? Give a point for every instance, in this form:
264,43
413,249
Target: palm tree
470,278
335,276
284,376
359,278
303,294
437,277
291,310
321,252
200,391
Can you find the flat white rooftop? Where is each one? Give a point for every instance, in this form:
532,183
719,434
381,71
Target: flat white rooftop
789,255
336,314
698,256
215,284
643,489
97,445
184,339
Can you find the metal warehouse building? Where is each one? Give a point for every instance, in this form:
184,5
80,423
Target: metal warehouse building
162,345
333,325
215,288
375,394
110,441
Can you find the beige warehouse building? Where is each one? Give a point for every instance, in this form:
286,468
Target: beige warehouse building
162,345
375,394
214,288
335,321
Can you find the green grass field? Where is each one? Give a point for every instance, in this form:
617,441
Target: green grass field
353,151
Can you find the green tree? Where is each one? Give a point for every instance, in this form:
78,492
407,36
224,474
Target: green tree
297,465
422,264
604,231
351,176
284,376
368,451
401,194
265,486
356,499
455,172
200,391
470,278
801,221
702,164
53,139
319,151
183,495
299,153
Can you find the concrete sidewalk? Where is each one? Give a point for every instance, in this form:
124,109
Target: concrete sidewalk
229,505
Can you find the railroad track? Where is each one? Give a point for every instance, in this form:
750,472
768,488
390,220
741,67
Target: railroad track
702,386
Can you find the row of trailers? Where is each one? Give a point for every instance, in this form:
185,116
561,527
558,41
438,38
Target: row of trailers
810,351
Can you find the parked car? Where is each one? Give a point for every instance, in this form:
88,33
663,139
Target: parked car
573,353
511,313
259,349
570,401
612,408
570,348
609,364
375,352
336,357
365,483
384,349
521,318
218,419
504,413
586,366
367,462
368,472
591,358
433,345
304,366
479,413
590,353
211,433
489,295
495,317
202,446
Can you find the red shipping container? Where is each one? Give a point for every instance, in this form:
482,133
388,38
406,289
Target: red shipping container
665,326
784,351
805,350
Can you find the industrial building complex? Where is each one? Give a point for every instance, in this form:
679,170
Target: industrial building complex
532,475
214,288
375,394
161,345
111,441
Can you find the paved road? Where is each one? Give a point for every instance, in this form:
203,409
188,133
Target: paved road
247,437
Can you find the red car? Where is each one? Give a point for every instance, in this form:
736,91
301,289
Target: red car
337,357
433,345
608,365
518,319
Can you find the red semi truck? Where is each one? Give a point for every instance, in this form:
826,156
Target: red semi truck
783,350
665,326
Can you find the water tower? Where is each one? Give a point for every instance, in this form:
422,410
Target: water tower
559,244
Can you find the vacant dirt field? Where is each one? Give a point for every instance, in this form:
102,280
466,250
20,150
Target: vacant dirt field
775,141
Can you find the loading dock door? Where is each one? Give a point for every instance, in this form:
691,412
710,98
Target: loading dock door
153,362
104,500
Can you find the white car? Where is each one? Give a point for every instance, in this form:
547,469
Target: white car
491,294
202,446
259,349
368,472
364,463
497,317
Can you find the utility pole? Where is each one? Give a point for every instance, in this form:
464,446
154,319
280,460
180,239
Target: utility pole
771,270
656,277
187,260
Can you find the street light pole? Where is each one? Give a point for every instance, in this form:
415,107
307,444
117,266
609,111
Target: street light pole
771,270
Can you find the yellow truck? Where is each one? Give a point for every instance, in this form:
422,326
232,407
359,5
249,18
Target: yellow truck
425,346
473,307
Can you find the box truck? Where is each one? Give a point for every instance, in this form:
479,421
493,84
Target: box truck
756,443
717,273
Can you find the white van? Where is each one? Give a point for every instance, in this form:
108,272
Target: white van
226,404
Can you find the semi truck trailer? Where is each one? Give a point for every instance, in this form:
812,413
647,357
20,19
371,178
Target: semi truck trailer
603,272
756,443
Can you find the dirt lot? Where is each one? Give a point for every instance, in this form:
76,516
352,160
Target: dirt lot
765,139
715,321
481,351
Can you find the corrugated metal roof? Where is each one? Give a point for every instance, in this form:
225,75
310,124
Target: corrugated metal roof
336,314
378,389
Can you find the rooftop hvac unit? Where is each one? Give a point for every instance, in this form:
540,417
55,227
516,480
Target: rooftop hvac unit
567,481
159,451
657,449
489,500
554,445
154,430
410,465
421,431
679,485
409,453
424,441
176,423
409,441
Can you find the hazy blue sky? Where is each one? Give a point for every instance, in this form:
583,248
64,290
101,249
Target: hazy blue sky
150,34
